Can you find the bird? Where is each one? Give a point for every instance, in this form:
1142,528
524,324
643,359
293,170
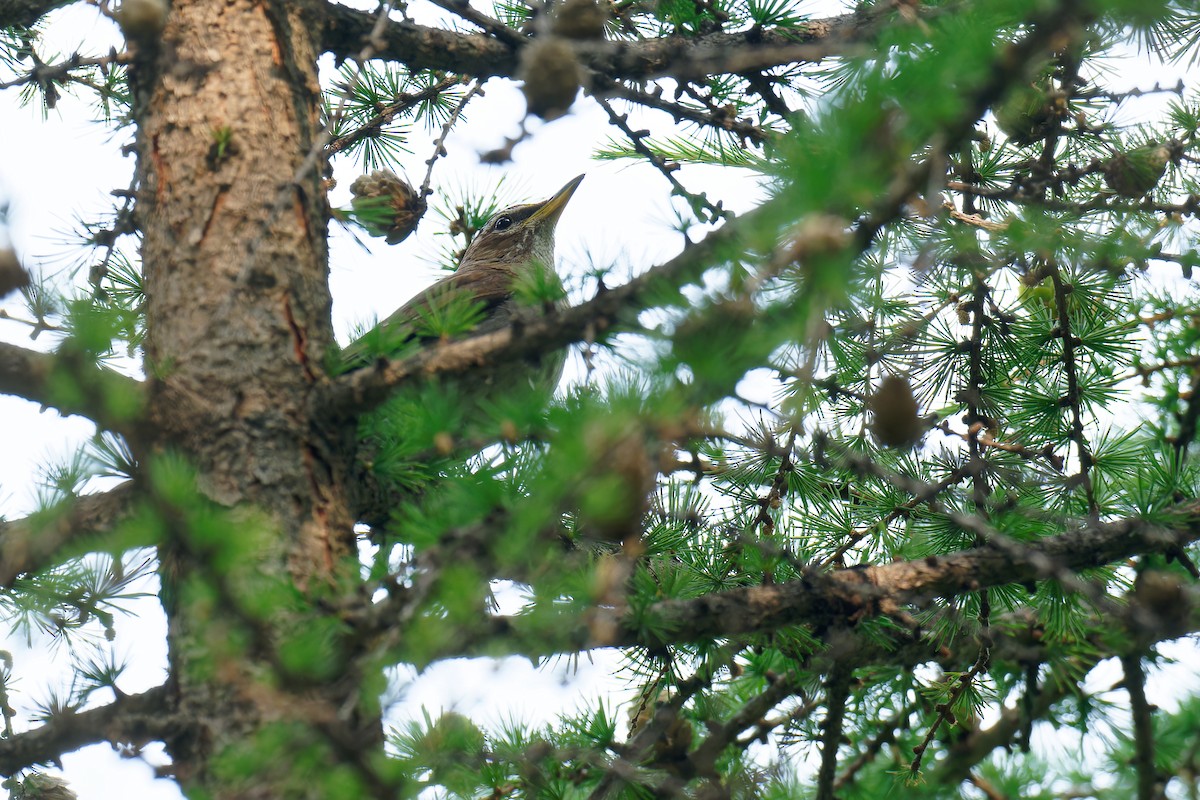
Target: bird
515,247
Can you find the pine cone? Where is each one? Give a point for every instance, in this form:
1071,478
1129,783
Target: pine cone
897,422
386,206
551,76
580,19
1135,173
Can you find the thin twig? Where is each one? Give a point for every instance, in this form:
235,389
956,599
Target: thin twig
837,694
439,148
886,734
1074,396
716,118
926,494
667,168
1143,727
945,711
402,102
43,74
489,25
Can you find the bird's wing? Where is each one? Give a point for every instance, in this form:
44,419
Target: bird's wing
483,286
453,306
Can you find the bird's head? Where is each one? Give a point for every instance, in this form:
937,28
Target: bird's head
520,235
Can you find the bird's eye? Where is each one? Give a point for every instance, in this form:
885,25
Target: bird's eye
502,223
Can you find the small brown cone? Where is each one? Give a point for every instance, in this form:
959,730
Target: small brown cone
580,19
551,76
897,421
1028,113
141,20
386,205
1135,173
617,495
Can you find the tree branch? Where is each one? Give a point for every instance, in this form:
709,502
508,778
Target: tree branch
26,13
722,734
387,113
978,744
70,384
837,693
827,600
482,56
1148,787
35,542
489,25
136,718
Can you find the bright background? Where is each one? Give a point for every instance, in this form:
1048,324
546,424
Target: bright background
59,170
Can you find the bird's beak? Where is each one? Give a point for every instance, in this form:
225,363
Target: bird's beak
552,208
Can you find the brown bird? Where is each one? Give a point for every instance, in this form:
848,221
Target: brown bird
514,247
512,252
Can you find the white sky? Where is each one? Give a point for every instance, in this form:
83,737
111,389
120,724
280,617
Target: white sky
56,171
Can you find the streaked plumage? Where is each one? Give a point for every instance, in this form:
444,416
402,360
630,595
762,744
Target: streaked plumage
513,244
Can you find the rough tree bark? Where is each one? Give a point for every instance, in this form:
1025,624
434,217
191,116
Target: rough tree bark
234,253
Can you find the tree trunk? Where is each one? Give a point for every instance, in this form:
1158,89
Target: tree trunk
238,321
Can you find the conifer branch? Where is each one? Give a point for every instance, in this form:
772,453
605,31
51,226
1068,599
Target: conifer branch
486,23
652,731
482,55
979,743
637,140
945,710
751,715
718,118
45,75
825,601
1148,784
837,692
70,384
26,13
40,540
1074,395
885,736
135,718
402,103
